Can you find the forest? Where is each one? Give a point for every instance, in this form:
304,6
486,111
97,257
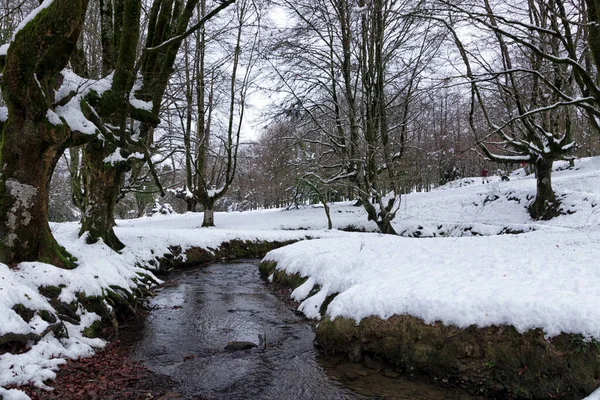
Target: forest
129,117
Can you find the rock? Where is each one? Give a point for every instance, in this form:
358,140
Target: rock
390,373
373,363
240,345
351,375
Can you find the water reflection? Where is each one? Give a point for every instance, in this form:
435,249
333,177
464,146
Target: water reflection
194,319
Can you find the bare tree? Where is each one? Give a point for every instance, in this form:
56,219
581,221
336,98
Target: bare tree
352,71
526,92
215,99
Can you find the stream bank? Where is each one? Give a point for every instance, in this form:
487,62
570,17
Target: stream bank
495,361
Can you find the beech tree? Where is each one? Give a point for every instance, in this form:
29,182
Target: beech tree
33,135
216,87
50,108
131,97
527,91
352,70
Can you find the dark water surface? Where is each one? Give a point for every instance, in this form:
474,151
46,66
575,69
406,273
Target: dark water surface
194,319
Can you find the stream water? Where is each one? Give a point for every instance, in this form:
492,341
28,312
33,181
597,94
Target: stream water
195,317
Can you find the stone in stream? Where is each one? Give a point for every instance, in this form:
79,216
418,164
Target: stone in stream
243,345
240,345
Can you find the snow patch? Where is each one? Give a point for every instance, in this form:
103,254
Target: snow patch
3,114
53,118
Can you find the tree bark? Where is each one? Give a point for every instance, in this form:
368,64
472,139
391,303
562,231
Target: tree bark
30,144
102,185
209,215
593,9
545,205
103,181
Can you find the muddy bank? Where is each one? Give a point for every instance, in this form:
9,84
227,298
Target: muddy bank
496,361
109,374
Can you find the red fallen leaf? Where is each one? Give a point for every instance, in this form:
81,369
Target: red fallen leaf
189,357
177,307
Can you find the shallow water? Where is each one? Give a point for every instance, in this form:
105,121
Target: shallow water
193,320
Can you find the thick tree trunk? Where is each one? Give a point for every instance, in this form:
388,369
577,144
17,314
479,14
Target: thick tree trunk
30,144
545,205
209,215
28,164
102,183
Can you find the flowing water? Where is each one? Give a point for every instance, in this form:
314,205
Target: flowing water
195,317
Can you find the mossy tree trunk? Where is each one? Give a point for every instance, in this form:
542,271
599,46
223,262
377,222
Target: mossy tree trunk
102,184
167,20
30,144
103,180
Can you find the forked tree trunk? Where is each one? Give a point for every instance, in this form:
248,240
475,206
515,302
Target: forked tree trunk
545,205
382,217
102,187
30,144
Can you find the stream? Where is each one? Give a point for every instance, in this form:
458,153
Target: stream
201,310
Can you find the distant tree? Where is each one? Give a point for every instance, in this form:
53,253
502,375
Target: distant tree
352,71
215,100
525,93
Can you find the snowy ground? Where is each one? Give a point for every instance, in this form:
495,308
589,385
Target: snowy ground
466,272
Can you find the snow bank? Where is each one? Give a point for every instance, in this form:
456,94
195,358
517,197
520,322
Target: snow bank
534,280
98,269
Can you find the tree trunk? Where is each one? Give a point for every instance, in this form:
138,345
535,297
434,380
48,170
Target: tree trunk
190,204
30,145
328,214
102,187
382,217
28,164
545,205
209,215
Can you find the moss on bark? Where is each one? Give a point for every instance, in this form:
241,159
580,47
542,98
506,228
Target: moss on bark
30,145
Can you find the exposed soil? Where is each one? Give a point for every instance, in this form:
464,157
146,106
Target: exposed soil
108,375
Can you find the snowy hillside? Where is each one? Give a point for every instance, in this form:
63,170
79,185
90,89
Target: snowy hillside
543,278
469,270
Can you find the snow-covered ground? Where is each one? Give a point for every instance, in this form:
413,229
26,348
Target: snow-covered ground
465,271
